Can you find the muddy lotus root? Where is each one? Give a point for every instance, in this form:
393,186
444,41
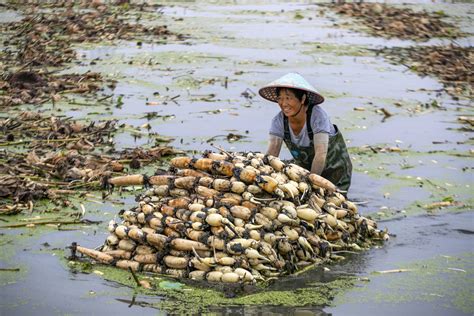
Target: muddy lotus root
234,218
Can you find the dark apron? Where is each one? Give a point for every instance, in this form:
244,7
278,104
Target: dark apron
338,167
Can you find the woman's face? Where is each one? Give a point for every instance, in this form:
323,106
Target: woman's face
289,104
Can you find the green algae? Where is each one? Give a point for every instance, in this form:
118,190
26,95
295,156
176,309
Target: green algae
337,50
446,281
408,152
10,245
14,240
192,82
316,294
176,57
406,172
298,15
462,202
192,299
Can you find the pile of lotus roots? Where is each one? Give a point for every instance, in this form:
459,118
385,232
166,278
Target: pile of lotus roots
234,218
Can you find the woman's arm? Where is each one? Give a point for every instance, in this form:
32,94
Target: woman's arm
321,141
274,145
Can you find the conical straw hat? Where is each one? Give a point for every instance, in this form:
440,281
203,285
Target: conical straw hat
291,80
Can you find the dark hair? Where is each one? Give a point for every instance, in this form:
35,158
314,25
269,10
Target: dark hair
297,92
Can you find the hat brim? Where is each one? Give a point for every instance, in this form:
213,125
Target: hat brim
269,93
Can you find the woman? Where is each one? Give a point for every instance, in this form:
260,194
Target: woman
306,129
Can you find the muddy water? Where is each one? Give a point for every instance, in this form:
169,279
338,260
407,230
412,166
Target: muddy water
204,88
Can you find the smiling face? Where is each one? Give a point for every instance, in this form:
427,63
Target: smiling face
289,104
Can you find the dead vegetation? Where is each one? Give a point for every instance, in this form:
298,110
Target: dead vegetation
45,38
392,22
48,155
30,87
451,64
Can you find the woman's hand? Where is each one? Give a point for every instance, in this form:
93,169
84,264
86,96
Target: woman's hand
274,145
321,141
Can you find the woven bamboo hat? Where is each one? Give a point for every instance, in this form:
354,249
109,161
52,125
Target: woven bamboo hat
294,81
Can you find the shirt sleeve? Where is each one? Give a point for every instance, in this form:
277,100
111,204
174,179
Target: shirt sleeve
320,122
276,128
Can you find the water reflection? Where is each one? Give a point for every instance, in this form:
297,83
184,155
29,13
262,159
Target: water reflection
269,311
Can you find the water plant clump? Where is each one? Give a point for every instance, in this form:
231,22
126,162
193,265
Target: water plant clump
50,157
392,22
451,64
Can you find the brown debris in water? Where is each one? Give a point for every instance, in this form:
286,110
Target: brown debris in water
391,22
54,132
451,64
61,154
21,189
148,154
36,87
44,38
88,4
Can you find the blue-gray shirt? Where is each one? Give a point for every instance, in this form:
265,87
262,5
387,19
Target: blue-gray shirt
320,123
